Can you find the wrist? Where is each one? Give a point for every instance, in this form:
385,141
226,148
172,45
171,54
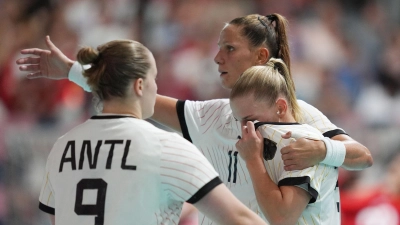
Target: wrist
75,75
321,149
335,152
70,63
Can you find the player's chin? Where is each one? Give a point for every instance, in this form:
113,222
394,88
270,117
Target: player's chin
226,83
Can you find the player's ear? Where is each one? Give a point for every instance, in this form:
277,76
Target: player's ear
281,106
262,56
138,85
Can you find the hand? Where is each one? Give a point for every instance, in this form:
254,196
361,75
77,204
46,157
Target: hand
302,153
51,64
250,146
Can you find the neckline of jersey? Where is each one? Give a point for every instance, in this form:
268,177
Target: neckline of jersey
113,116
258,124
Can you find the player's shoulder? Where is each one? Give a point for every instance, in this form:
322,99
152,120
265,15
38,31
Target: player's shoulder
208,103
162,135
303,104
309,110
75,130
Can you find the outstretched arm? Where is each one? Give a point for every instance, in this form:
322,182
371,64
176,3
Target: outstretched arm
51,64
165,112
223,207
306,153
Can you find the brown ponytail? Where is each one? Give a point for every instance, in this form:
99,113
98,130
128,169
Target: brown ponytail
281,25
269,31
91,56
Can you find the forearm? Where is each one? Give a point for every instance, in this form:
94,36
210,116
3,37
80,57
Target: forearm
165,112
277,208
357,157
52,219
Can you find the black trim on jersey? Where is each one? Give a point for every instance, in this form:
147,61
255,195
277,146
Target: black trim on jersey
258,124
333,133
46,209
204,190
292,181
102,117
180,110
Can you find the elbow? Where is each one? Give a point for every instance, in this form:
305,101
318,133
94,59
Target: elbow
370,161
360,163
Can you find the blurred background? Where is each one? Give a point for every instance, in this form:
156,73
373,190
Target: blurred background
346,62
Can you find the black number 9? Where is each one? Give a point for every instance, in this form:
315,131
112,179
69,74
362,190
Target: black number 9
98,208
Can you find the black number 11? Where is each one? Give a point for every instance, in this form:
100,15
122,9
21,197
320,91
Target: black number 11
234,166
96,209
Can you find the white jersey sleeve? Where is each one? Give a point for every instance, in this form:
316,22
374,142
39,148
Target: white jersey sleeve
315,118
186,173
198,118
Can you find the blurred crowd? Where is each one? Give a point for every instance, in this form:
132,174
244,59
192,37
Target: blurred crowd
345,61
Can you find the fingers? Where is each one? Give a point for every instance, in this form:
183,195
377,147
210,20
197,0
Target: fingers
50,44
34,51
291,167
29,68
250,127
28,60
287,135
259,135
285,150
34,75
244,129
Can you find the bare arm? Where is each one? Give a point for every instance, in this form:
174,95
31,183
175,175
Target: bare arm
358,156
53,219
306,153
223,207
165,112
53,64
280,205
189,215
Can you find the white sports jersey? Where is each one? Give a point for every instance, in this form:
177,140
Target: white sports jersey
320,181
211,126
116,169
